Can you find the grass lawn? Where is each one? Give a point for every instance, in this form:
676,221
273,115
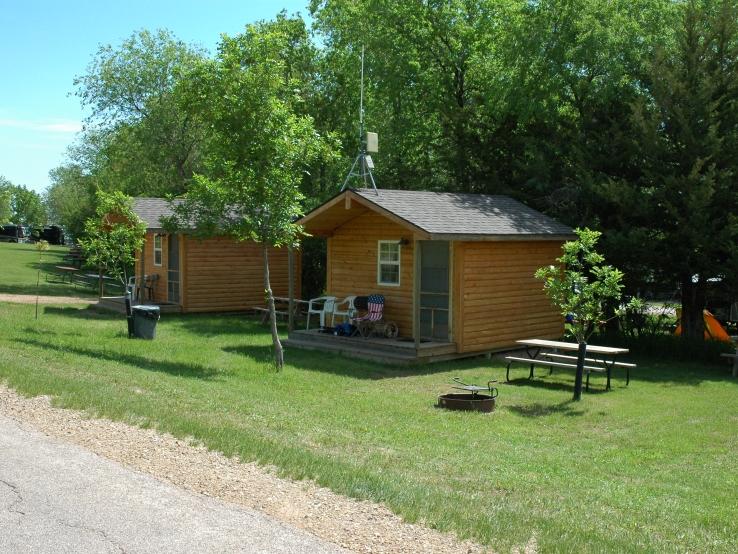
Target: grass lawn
18,268
651,467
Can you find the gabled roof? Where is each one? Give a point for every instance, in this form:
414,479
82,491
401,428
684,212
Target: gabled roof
441,215
151,210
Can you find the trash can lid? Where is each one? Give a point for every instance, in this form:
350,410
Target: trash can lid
143,308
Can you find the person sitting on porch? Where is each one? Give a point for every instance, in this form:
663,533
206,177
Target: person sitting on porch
375,313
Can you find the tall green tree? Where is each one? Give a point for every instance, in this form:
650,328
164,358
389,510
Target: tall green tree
422,82
6,210
495,96
70,198
26,206
261,144
138,138
685,203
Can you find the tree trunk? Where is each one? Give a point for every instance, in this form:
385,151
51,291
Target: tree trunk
38,284
278,353
580,370
291,277
693,305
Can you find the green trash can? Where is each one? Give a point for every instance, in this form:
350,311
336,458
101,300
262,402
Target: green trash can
144,321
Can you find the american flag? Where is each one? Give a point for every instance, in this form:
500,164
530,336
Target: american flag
375,304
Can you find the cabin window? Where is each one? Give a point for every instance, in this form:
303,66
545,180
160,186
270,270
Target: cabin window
388,262
157,249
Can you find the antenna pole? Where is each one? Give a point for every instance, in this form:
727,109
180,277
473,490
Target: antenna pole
365,166
361,119
361,100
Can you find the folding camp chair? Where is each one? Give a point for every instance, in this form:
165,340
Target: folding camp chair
367,323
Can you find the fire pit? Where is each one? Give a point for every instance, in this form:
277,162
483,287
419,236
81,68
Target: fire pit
471,400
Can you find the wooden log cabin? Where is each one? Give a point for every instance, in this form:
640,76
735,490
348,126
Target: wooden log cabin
217,274
456,270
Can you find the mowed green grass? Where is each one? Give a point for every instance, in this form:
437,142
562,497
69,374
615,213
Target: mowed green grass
19,264
650,467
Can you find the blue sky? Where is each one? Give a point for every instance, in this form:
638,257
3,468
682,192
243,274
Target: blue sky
45,44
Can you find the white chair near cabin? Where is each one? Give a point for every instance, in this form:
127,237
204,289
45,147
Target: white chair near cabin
322,305
348,311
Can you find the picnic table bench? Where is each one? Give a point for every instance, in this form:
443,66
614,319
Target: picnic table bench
551,358
63,272
735,361
74,259
281,308
93,280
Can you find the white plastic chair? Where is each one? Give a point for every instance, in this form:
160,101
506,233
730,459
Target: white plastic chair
346,313
322,305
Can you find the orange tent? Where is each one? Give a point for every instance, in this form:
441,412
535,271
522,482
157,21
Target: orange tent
713,329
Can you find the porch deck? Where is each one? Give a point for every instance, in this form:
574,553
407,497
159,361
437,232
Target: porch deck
378,349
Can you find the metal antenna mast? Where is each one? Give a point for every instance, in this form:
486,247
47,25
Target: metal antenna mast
367,143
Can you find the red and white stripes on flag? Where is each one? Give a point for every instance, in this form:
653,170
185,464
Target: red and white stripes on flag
375,305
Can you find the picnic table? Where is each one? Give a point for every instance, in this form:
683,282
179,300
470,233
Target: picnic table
64,270
93,280
547,353
735,361
281,308
75,257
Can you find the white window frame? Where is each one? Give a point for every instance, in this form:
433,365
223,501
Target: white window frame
159,249
397,263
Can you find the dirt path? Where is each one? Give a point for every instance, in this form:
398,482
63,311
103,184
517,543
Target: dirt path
356,525
31,299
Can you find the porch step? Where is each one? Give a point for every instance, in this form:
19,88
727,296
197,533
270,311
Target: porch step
353,352
377,351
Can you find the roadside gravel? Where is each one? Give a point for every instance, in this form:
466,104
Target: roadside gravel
356,525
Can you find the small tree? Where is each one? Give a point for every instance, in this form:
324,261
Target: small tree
41,247
6,210
113,236
580,287
261,148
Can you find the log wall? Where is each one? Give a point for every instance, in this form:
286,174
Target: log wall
498,300
352,265
222,275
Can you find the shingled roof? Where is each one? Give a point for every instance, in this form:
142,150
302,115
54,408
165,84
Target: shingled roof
449,215
441,215
151,210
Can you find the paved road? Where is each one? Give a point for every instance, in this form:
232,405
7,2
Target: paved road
58,497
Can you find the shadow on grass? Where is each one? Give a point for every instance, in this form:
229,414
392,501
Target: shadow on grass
336,364
680,373
210,325
259,353
179,369
86,312
649,370
542,410
594,387
46,289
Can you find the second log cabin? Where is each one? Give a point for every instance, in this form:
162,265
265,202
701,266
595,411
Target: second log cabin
218,274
